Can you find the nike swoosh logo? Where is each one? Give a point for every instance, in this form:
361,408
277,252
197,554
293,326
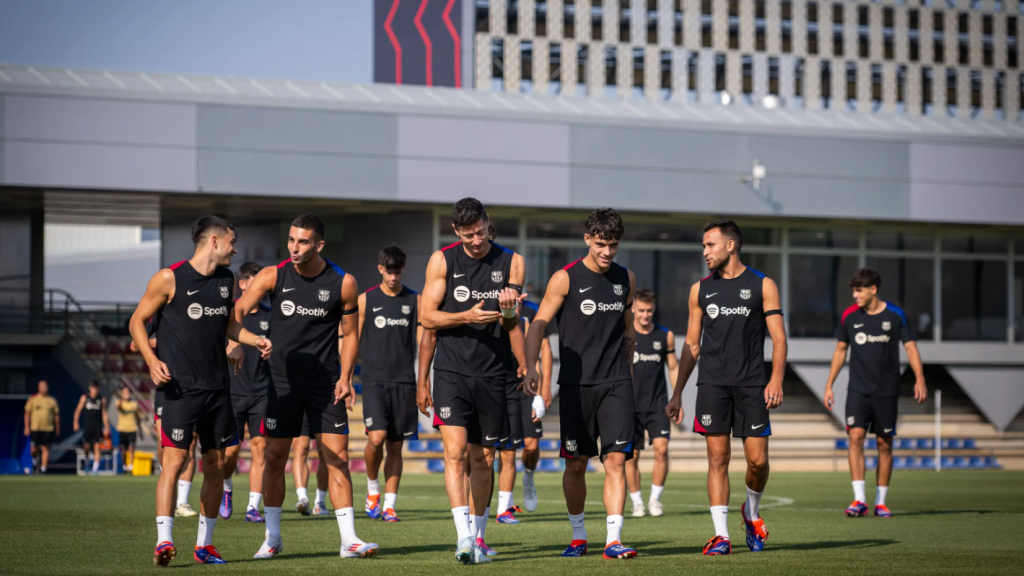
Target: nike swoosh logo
857,325
287,289
664,431
617,442
226,439
517,441
191,292
339,425
582,290
408,434
488,438
457,275
887,430
539,430
378,309
752,427
710,295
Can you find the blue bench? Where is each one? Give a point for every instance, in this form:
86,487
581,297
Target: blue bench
546,444
436,466
549,465
914,444
416,446
435,446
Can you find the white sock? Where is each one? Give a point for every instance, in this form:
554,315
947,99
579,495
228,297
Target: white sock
511,500
373,487
858,491
164,529
720,516
321,496
347,525
95,465
579,530
656,492
482,529
273,516
204,537
504,500
528,478
389,500
461,517
880,493
614,529
254,500
753,504
183,490
301,493
637,498
229,485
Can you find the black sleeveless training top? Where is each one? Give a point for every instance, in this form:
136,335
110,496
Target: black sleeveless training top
474,349
592,325
192,329
92,412
387,346
254,377
649,387
732,348
305,314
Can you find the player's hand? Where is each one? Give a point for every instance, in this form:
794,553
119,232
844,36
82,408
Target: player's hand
477,314
265,346
674,410
920,392
509,298
773,394
235,357
74,427
350,402
342,390
829,399
159,373
423,400
27,431
547,400
531,382
106,431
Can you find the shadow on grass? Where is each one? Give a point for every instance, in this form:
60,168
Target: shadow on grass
390,551
947,512
642,548
833,544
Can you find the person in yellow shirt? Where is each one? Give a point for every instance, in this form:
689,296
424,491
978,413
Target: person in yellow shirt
128,424
42,424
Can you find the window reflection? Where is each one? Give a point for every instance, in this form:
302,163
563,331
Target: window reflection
974,300
819,293
909,283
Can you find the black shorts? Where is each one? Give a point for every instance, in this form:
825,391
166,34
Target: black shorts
126,439
92,434
249,411
514,432
477,403
875,414
304,429
286,409
531,429
656,424
737,409
39,438
205,412
600,411
391,406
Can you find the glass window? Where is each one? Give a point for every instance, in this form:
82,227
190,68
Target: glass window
974,300
1018,302
566,229
670,273
1018,243
543,261
663,233
824,238
762,236
975,243
768,264
900,241
507,228
909,283
819,293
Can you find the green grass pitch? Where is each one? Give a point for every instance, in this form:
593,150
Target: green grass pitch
947,523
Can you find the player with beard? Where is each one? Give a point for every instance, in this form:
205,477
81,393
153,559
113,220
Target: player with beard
655,350
91,417
470,298
193,300
313,304
592,299
731,309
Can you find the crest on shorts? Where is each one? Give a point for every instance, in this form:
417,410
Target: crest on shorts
406,309
271,423
369,422
618,289
497,276
745,294
177,434
160,411
705,420
264,325
657,345
570,445
223,291
445,412
850,420
325,295
886,326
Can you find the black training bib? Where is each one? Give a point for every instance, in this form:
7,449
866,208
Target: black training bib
649,387
732,348
387,346
254,377
592,326
92,412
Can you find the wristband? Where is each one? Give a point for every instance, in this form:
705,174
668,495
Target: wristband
538,406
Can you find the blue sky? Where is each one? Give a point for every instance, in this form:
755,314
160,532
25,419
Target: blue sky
295,39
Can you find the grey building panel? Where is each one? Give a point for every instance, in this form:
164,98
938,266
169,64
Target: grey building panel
997,391
2,141
297,174
274,129
492,182
965,203
471,139
815,375
978,164
99,121
125,167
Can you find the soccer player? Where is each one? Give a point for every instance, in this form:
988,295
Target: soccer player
128,423
531,411
655,349
249,401
192,300
876,328
42,424
731,309
592,299
388,337
313,304
470,299
300,474
91,417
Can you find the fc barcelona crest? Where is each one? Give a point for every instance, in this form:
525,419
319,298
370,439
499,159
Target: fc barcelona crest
445,412
706,420
406,309
745,294
497,276
886,326
264,325
325,295
224,292
657,345
618,289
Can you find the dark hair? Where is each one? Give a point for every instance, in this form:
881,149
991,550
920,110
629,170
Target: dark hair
392,258
865,278
492,230
310,222
605,223
249,270
94,384
206,224
729,229
467,212
646,295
